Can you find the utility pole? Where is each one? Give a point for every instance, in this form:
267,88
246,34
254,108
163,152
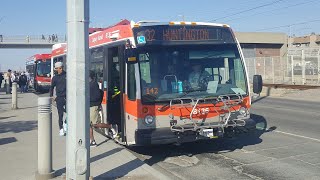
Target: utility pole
78,152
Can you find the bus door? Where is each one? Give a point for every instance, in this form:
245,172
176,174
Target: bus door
97,66
115,77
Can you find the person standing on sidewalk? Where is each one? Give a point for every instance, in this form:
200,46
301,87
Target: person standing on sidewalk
23,82
59,82
1,79
28,81
96,96
95,102
12,77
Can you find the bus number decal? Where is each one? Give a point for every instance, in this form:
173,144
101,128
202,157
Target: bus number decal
150,34
201,111
153,91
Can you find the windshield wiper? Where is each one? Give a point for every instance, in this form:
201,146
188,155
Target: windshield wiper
187,92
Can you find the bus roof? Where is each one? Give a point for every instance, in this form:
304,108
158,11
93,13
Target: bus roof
36,57
119,31
150,23
122,30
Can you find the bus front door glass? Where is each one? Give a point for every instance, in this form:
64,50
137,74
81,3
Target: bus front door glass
190,71
96,64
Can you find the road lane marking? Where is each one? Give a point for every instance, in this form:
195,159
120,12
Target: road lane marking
304,161
296,135
283,108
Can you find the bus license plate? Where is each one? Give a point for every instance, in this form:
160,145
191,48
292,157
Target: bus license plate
207,133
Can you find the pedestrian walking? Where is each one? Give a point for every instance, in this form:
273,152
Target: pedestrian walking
28,81
28,39
12,77
96,96
95,103
8,81
43,38
1,38
15,77
22,82
59,83
53,38
1,79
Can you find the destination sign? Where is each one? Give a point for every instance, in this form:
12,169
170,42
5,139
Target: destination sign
184,34
166,33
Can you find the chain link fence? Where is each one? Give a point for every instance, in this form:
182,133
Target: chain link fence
300,67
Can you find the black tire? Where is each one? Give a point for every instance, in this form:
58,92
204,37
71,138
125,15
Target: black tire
250,127
35,87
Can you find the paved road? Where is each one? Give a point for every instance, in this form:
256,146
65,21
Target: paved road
46,94
286,145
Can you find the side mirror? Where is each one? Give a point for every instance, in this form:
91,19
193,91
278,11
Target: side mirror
257,84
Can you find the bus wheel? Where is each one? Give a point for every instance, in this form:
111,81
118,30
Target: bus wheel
36,88
250,127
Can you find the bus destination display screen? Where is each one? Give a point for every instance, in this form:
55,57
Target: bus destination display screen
161,34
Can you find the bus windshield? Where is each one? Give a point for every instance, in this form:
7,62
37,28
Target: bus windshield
44,68
193,71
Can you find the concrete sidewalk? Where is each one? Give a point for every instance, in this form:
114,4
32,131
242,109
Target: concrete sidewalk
18,147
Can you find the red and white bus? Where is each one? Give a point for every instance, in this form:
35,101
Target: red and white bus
178,81
39,68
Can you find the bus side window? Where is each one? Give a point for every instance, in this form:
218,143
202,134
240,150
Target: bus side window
131,82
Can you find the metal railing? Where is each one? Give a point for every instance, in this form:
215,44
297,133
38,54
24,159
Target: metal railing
32,39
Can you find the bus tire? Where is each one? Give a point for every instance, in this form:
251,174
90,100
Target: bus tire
249,128
37,88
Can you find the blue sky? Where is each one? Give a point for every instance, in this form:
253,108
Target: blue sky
36,17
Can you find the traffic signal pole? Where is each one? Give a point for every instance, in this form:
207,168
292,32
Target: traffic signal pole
78,150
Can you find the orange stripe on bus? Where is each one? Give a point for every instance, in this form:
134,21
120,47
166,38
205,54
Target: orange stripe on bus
135,108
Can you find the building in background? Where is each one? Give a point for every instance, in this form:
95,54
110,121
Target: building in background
310,41
281,59
262,44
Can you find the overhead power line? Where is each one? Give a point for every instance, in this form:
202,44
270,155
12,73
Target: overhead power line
286,7
257,7
288,25
239,7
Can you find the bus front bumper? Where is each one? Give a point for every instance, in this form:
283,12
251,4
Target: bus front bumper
166,136
44,85
161,136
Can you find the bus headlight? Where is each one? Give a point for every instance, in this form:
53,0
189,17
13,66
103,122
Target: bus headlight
243,111
149,120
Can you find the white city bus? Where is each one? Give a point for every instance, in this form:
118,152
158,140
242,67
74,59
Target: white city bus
178,81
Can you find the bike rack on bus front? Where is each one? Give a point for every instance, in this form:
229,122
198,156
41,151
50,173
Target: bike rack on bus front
228,103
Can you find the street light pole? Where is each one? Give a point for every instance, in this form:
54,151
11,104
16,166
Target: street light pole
78,152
